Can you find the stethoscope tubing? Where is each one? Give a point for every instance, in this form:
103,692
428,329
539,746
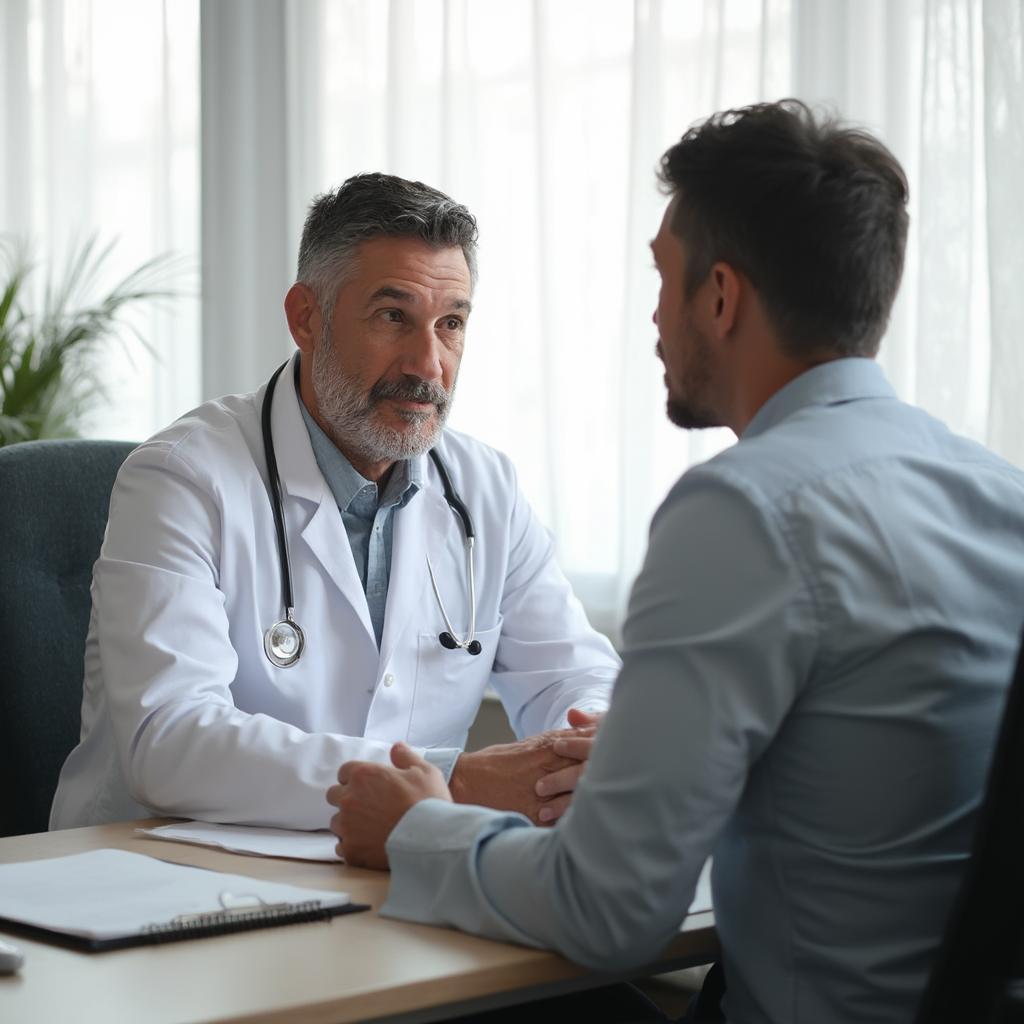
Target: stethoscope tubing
274,479
284,640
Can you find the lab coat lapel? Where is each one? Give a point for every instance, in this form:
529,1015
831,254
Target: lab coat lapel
419,528
303,486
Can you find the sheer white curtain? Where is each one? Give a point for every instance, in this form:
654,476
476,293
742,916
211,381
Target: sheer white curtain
99,119
546,117
1003,24
942,81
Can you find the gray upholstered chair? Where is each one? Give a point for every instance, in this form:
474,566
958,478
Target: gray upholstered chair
53,509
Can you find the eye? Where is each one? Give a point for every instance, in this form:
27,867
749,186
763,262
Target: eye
453,323
393,316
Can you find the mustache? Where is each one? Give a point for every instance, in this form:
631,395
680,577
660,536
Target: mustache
410,389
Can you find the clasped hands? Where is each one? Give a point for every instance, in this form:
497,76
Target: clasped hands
535,776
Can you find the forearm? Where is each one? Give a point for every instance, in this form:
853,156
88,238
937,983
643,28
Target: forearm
706,680
214,762
607,887
577,888
549,658
169,673
548,709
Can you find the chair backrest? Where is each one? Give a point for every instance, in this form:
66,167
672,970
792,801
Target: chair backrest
971,979
54,497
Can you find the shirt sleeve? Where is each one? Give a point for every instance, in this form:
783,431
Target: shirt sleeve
720,634
442,758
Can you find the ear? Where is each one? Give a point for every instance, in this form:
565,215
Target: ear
303,314
725,295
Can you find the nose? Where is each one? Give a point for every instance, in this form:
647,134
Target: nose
654,316
422,355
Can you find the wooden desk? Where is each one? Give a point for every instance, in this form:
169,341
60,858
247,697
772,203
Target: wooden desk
353,968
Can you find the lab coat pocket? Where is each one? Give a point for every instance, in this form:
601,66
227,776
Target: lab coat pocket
449,687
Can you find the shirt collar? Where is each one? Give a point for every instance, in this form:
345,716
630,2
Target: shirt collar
831,383
347,483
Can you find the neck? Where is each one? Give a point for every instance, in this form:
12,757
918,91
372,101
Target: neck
762,379
376,471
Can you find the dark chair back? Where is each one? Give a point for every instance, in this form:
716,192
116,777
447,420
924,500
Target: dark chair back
54,497
973,979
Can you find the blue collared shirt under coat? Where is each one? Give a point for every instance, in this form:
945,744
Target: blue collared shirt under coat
816,656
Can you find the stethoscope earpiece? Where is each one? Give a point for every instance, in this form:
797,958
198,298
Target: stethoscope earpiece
449,643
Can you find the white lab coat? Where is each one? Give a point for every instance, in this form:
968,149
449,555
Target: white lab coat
182,712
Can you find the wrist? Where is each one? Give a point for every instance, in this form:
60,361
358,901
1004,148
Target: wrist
458,783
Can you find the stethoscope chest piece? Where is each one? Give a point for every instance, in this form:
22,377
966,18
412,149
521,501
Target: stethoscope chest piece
283,642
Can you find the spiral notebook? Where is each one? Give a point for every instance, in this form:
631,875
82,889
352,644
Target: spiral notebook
109,899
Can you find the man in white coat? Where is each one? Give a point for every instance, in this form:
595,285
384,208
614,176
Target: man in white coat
400,609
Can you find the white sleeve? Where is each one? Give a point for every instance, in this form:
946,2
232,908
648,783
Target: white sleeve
168,664
549,658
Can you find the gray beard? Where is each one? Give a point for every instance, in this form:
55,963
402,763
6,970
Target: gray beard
350,413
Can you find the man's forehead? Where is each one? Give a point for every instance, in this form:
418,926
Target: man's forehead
406,270
666,236
391,260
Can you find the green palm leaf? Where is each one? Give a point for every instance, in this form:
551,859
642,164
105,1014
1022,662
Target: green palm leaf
46,376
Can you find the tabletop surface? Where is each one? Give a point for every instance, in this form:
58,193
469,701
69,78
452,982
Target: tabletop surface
355,967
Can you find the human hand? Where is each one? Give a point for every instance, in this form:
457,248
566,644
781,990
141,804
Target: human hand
505,776
372,798
557,787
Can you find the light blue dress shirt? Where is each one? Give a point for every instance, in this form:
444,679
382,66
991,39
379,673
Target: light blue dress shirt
816,657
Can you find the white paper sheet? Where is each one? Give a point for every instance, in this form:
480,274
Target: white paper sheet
251,839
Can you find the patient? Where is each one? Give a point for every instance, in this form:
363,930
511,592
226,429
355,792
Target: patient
817,649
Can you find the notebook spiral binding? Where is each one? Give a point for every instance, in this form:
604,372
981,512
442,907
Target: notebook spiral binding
236,919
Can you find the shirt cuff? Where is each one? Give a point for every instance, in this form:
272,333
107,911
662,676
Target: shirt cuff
432,853
443,758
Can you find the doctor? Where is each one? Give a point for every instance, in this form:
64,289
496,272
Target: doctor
255,625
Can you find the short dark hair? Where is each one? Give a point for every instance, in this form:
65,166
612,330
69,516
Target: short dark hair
375,206
811,210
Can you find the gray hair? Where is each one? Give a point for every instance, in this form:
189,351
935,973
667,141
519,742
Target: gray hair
376,206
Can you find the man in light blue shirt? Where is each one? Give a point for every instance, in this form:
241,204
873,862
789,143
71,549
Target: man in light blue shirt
817,648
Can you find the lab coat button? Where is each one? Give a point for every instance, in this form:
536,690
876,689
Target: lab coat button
389,679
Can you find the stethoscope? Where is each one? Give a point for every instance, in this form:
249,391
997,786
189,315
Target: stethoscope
284,640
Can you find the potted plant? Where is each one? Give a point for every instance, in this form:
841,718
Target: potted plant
47,373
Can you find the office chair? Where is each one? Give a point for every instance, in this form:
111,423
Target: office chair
53,510
977,974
